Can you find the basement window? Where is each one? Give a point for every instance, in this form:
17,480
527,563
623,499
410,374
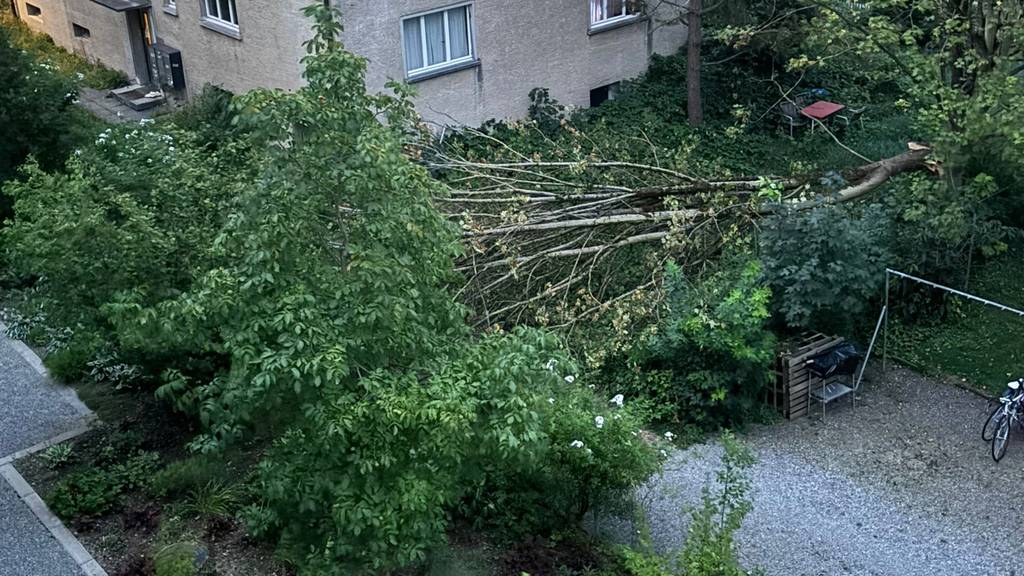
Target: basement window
604,93
33,10
80,31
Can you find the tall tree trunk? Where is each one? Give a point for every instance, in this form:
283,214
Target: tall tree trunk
694,107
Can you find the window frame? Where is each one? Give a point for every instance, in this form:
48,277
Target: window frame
171,7
449,65
218,24
80,32
615,21
33,10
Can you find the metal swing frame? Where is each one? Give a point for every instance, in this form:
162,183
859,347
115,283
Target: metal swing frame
884,316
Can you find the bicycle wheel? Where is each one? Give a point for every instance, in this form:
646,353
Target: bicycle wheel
988,431
1001,439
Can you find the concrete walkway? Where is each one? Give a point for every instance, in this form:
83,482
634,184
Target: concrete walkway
34,414
109,108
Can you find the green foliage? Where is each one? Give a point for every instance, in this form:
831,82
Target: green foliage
213,500
974,342
95,491
710,547
33,109
189,475
373,473
177,559
127,223
58,455
712,354
826,266
43,49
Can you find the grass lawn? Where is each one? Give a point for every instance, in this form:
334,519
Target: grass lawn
978,343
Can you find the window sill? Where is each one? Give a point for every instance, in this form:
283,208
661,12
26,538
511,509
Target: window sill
221,27
421,76
614,24
172,10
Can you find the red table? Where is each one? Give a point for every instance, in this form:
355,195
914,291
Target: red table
821,109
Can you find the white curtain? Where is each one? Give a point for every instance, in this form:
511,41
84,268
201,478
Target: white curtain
434,28
413,45
458,32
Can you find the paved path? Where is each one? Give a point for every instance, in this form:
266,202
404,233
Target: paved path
901,486
109,108
33,412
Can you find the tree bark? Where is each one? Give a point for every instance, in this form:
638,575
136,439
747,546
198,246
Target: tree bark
694,107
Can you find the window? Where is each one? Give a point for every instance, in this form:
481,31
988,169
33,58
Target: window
80,31
220,15
438,40
603,94
33,10
171,7
609,12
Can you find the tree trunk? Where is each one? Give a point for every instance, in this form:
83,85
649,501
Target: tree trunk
694,108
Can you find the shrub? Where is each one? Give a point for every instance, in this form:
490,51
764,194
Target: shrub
214,499
178,559
825,266
710,548
191,474
33,111
713,351
96,491
58,455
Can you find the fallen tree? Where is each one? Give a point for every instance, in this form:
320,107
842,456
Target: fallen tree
542,233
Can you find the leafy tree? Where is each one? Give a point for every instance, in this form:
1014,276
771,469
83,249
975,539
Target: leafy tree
825,265
34,100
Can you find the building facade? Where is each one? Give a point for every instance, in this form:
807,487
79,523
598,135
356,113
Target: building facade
470,61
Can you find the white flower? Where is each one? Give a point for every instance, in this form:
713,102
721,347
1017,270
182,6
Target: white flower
550,366
616,417
663,454
599,421
80,76
618,399
591,386
570,378
669,436
576,444
551,400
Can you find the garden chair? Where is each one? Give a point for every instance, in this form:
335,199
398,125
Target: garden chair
850,114
791,116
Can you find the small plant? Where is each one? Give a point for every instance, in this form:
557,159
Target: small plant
57,455
178,559
95,491
183,477
109,369
214,500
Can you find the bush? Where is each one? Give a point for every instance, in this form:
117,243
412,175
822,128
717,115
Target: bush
368,485
826,266
713,351
191,474
96,491
33,111
178,559
710,547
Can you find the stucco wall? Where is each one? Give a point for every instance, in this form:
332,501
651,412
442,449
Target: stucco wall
108,37
520,46
267,55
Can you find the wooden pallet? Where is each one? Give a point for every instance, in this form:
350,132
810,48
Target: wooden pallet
789,394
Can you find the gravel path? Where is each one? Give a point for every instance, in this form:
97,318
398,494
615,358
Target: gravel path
31,408
903,485
26,547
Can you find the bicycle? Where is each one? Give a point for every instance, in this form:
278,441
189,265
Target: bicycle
1009,412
